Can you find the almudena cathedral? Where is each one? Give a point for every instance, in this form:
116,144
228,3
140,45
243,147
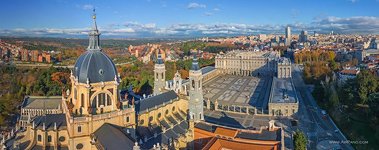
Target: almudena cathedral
215,108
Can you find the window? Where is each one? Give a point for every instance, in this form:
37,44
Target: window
79,129
193,84
159,115
151,119
127,119
62,138
141,122
39,138
49,138
166,111
101,98
82,100
109,101
173,108
79,146
75,94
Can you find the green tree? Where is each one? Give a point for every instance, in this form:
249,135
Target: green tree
333,99
299,140
367,84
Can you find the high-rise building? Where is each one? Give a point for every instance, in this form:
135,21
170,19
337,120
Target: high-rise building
288,35
303,37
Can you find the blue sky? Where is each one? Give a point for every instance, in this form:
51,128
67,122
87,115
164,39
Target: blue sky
139,18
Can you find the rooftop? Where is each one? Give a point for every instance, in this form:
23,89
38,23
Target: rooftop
244,53
283,91
144,105
113,137
207,69
259,134
50,120
41,102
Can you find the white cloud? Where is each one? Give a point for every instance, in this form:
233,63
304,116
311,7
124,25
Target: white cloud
195,5
357,24
88,7
216,9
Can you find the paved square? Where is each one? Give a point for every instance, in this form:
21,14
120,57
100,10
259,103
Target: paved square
236,90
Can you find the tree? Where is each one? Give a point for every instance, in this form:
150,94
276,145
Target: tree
299,140
367,84
333,99
319,92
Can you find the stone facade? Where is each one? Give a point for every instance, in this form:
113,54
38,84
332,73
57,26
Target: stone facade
247,63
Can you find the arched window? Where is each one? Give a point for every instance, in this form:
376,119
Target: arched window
159,115
151,119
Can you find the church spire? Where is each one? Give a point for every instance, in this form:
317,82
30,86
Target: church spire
94,40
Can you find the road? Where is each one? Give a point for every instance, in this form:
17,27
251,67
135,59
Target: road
317,126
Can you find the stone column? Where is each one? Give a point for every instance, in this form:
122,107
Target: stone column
208,104
216,105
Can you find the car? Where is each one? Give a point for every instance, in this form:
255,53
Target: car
323,112
336,131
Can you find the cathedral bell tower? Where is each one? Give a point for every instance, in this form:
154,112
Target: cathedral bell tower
195,92
159,75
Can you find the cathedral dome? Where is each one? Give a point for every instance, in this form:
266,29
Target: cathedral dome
94,66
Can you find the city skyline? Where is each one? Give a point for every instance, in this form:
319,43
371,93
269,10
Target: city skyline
153,18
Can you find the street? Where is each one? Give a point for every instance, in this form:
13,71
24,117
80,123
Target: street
320,129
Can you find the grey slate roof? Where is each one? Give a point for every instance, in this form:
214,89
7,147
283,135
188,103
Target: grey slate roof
157,100
207,69
96,66
159,59
113,138
49,120
206,127
41,102
195,64
164,138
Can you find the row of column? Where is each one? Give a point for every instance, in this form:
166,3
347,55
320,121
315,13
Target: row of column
232,108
